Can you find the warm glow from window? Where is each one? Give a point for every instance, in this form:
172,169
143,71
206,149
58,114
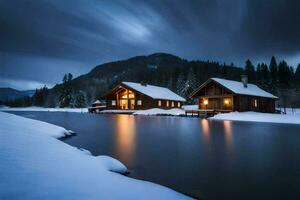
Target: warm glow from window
139,102
226,102
113,102
255,103
172,104
205,102
178,105
159,103
167,103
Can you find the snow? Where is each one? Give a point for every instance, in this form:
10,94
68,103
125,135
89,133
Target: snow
34,165
42,109
190,107
238,88
155,92
158,111
8,121
97,102
259,117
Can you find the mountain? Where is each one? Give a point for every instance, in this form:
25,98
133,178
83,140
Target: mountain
159,69
12,94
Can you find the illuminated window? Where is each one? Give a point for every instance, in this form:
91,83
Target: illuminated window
178,104
167,103
255,103
113,102
127,94
205,102
139,102
226,102
172,104
131,94
159,103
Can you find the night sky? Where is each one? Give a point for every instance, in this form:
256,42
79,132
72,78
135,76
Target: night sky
41,40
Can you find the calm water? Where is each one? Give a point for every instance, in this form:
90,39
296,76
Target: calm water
206,159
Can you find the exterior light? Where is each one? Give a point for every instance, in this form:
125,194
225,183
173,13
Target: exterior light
226,101
205,102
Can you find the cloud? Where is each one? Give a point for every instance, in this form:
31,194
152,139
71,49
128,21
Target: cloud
54,37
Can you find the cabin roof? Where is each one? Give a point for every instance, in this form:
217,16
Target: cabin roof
238,88
155,92
96,102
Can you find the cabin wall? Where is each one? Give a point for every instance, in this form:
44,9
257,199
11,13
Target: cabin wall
251,103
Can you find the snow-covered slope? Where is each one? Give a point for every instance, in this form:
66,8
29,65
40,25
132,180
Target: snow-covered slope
259,117
34,165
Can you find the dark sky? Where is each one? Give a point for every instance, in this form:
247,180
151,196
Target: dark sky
41,40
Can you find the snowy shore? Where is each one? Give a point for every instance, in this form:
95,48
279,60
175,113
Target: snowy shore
35,165
41,109
259,117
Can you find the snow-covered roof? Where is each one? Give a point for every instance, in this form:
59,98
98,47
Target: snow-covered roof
154,92
97,102
238,88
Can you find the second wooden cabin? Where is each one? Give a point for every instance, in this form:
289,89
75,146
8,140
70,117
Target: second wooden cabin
221,95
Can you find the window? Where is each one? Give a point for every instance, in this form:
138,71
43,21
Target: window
139,102
172,104
113,102
178,105
226,102
159,103
167,103
255,103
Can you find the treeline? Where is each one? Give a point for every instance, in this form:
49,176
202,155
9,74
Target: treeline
68,97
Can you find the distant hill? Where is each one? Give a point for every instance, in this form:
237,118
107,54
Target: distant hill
159,69
12,94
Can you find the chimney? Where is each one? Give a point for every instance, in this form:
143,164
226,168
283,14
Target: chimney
143,83
244,79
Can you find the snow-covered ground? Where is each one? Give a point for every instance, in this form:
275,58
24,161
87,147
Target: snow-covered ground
190,107
158,111
33,108
259,117
35,165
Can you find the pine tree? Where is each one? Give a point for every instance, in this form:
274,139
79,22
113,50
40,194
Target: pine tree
273,70
66,94
250,71
297,74
79,100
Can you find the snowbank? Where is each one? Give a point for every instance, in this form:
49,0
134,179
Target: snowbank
259,117
35,165
190,107
10,121
33,108
158,111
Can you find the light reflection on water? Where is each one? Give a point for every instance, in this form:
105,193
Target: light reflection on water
208,159
125,140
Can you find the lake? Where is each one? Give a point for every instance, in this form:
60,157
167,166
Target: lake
202,158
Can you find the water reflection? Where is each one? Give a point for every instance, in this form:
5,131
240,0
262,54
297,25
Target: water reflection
205,129
125,140
228,133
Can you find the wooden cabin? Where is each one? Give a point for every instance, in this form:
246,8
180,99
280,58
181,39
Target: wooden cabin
221,95
138,96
